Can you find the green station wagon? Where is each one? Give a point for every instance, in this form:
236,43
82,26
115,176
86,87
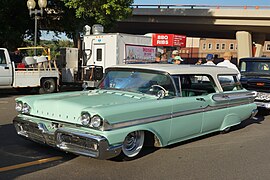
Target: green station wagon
135,106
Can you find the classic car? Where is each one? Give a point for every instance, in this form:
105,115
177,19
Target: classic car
255,75
136,106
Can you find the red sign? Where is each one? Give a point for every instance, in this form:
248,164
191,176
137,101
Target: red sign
168,40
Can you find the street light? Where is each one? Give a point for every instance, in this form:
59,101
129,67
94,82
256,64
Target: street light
31,4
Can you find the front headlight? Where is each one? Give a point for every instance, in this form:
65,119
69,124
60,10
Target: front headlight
19,106
26,108
96,121
85,118
22,107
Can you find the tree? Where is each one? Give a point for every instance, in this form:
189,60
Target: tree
71,16
15,23
105,12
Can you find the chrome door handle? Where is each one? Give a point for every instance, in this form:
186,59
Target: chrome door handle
200,99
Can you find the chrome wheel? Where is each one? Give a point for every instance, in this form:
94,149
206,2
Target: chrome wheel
133,143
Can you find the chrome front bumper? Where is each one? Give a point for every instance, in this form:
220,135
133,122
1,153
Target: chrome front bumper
261,104
67,139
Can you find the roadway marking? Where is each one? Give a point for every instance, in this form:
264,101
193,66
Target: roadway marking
40,161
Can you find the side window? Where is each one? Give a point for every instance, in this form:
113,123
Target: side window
99,55
2,57
229,82
194,85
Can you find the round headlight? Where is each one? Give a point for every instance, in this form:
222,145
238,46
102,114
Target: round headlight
96,121
85,118
19,106
26,108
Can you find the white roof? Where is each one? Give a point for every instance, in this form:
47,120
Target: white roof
182,69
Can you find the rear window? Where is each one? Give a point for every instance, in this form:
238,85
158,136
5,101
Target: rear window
229,82
194,85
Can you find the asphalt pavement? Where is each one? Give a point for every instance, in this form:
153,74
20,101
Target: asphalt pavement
242,153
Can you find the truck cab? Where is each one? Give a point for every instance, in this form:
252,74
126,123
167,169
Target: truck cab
5,69
255,75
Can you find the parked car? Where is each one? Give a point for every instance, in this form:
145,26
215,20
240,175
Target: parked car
134,106
255,75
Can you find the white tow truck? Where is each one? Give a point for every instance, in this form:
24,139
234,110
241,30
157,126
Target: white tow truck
34,72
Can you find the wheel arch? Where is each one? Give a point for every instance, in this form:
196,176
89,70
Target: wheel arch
43,78
152,139
55,79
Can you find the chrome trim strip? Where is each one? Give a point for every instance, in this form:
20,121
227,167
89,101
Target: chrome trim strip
137,122
234,96
168,116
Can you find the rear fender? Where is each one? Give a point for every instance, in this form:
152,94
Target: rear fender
230,120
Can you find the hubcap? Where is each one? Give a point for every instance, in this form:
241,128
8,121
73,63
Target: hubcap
133,143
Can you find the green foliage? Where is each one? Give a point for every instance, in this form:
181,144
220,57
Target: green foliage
69,16
15,23
55,46
104,12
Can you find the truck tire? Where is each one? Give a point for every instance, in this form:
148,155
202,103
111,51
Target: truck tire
48,85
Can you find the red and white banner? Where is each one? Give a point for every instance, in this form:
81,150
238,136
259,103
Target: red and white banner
168,40
140,53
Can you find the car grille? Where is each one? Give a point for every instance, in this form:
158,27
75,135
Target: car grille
34,133
76,141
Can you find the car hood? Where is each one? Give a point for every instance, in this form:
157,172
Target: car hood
67,107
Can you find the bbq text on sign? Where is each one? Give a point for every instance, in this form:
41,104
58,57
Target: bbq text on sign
168,40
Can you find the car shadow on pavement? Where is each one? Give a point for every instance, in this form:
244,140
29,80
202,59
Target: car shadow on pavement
16,151
4,93
255,120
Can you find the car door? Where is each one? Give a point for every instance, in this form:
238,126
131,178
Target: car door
188,110
99,55
5,70
187,116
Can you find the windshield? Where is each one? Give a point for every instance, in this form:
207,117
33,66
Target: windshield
136,81
255,67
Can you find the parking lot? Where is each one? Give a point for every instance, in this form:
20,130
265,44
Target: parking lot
242,153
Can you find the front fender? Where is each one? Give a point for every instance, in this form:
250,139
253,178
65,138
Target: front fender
161,131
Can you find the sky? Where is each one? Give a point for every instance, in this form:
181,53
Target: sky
207,2
50,36
179,2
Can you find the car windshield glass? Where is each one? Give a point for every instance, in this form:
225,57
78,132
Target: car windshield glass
136,81
255,67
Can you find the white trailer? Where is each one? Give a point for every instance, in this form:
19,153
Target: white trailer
102,50
34,75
